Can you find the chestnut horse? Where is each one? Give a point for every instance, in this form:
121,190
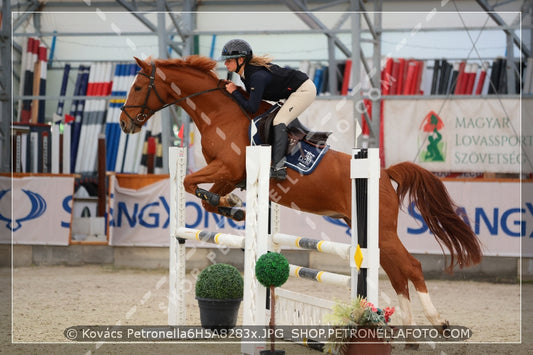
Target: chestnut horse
192,84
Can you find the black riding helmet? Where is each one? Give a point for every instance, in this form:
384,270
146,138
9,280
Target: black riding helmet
236,48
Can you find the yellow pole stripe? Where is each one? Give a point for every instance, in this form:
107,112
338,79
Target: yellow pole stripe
319,276
297,242
216,237
319,245
197,235
296,271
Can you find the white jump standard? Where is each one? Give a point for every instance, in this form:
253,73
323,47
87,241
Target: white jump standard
290,306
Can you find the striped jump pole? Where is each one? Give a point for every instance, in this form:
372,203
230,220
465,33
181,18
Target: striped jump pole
319,276
323,246
228,240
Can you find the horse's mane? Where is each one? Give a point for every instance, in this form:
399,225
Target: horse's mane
204,64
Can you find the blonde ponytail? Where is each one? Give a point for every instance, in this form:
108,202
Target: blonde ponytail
261,61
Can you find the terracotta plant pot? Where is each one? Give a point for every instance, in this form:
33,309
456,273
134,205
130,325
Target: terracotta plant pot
366,346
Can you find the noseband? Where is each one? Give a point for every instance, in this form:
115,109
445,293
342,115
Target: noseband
147,111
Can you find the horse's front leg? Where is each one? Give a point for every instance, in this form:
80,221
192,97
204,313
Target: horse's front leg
226,203
219,198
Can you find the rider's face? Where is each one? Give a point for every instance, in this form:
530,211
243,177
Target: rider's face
231,64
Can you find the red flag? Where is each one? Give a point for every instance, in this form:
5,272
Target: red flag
180,135
69,118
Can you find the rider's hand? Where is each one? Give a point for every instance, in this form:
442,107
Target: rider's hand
231,87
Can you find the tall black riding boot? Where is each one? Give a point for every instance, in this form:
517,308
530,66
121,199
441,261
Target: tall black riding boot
279,148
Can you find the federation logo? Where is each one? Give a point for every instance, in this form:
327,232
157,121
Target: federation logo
433,149
38,207
308,159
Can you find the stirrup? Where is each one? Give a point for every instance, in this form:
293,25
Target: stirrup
278,174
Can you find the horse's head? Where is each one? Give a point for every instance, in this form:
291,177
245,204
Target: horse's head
161,83
143,98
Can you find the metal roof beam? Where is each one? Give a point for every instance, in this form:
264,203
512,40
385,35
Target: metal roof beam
313,22
107,5
30,9
367,20
500,22
330,4
140,17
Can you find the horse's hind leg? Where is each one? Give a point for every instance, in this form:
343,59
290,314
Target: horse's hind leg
401,267
391,262
417,278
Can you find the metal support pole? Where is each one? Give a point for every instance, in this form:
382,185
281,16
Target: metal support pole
376,99
5,88
189,23
166,126
356,68
332,70
511,65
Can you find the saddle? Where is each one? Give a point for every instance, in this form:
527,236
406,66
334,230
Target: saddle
296,131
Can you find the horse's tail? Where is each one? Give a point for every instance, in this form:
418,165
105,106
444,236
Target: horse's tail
439,211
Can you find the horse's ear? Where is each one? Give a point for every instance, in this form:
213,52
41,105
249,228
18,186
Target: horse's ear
141,63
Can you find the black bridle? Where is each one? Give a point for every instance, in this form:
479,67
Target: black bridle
147,111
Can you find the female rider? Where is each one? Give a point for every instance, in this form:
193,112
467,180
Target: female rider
267,81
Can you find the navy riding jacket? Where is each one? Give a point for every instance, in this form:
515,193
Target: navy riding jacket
272,84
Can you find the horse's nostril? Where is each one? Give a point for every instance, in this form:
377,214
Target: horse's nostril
123,125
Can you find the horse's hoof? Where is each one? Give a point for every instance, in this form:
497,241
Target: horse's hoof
234,213
445,325
411,346
239,215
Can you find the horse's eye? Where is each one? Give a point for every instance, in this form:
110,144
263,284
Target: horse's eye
137,88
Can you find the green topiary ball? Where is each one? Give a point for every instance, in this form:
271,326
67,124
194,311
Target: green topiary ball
220,281
272,269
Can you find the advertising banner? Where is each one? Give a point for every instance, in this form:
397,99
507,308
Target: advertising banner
36,209
460,135
494,210
139,212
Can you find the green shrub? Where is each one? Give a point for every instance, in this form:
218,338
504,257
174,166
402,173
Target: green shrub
220,281
272,269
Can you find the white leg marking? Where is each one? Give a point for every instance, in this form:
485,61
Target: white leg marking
405,310
429,309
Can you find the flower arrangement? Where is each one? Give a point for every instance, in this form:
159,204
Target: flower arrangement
359,313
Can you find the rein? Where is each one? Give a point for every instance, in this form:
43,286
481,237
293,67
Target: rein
147,111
